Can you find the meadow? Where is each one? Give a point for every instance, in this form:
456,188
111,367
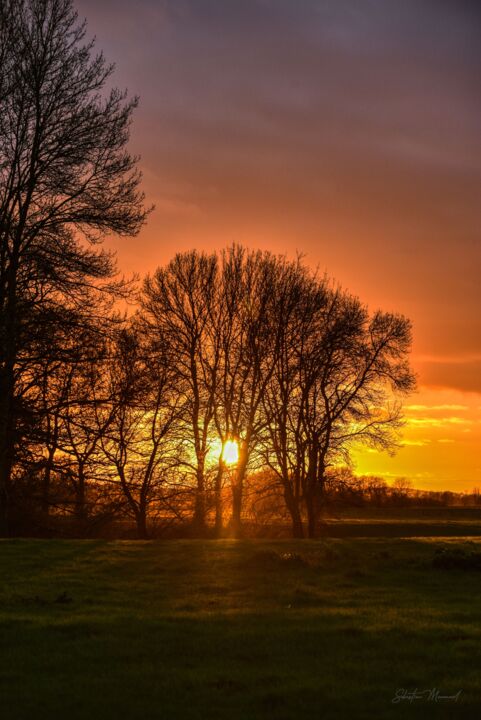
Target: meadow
244,630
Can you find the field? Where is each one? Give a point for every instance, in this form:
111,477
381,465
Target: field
332,628
405,522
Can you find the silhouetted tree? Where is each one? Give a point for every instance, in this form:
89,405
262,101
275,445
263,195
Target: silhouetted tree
271,356
178,304
286,398
143,443
258,290
85,419
400,490
332,390
66,180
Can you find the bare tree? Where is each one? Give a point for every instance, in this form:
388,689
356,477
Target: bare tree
85,418
275,359
401,489
332,390
285,398
258,292
142,443
178,304
66,180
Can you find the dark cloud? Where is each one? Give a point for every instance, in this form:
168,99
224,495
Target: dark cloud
349,130
464,375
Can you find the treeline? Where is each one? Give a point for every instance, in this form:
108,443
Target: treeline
241,348
346,490
103,416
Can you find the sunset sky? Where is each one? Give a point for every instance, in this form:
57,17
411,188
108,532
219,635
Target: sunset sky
348,130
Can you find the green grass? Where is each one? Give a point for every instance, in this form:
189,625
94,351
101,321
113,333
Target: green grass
240,630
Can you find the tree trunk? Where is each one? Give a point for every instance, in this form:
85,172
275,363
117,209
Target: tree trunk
292,504
312,513
4,494
80,506
6,448
297,524
312,494
218,500
7,421
198,520
311,522
141,518
45,501
235,524
237,495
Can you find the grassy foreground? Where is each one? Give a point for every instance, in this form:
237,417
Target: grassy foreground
239,630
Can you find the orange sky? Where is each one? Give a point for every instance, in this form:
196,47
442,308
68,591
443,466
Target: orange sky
349,131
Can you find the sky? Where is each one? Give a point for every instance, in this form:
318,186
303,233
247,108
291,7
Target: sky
349,131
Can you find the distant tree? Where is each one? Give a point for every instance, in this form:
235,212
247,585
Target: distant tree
401,488
66,180
376,489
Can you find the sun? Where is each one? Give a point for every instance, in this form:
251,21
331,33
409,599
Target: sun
230,452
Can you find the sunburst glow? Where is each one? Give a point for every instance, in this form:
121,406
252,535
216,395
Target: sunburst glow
230,453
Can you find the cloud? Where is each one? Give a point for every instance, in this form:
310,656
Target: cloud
422,408
439,422
415,443
459,373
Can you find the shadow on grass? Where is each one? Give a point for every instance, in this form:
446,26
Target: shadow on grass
327,629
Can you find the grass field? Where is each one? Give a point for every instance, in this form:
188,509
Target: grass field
405,522
240,630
